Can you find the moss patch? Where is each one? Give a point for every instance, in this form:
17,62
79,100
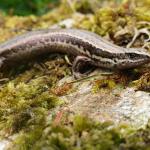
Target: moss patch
83,133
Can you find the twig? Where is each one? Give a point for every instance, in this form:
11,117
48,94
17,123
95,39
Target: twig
137,33
88,77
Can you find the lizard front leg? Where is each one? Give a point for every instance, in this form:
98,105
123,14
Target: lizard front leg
82,66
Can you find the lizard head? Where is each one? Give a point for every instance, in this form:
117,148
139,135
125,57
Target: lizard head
134,58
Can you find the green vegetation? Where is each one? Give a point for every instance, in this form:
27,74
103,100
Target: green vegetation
26,7
81,133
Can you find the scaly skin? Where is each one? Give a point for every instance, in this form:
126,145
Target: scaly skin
97,50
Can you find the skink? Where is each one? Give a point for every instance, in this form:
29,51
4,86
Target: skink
87,47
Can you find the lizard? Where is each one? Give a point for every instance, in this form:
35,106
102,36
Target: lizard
87,47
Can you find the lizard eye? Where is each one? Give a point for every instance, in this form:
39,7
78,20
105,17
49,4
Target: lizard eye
115,60
131,55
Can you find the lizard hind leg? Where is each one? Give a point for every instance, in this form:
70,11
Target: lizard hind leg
82,66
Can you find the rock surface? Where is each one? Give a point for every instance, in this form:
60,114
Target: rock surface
120,105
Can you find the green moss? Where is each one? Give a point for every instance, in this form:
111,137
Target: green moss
83,6
82,133
109,20
105,18
23,105
105,84
142,14
82,123
143,83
